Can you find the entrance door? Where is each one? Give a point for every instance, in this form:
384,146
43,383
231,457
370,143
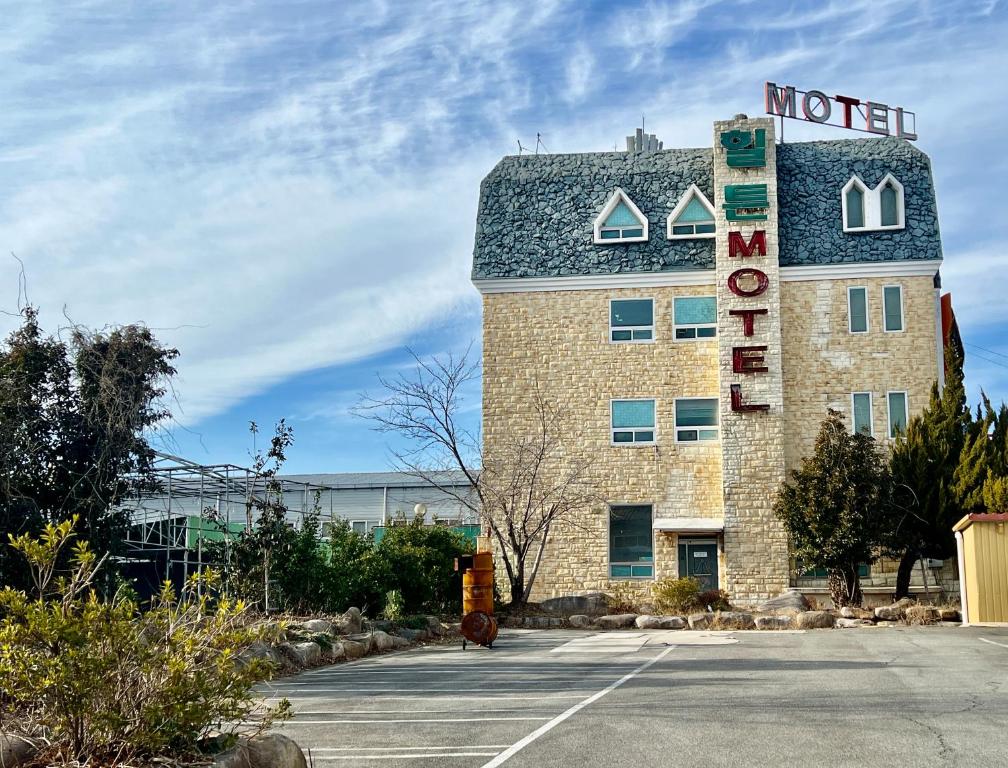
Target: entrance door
698,558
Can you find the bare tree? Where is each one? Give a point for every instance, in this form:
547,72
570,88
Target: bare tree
525,488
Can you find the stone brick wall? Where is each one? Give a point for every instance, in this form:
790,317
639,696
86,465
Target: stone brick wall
559,340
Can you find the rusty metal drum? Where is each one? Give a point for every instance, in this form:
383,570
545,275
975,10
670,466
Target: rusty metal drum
477,585
480,628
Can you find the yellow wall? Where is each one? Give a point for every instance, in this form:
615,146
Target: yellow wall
985,547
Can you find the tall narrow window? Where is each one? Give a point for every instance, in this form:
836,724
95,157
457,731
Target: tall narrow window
694,317
631,542
889,201
855,208
897,413
696,419
892,307
862,412
633,421
857,310
631,320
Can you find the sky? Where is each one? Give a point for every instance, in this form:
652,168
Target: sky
286,192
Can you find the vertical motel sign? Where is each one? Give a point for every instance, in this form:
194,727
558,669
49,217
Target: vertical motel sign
746,203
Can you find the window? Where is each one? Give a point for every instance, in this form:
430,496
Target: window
857,310
631,549
694,317
803,571
631,319
897,413
633,421
360,526
621,221
872,210
862,412
854,217
892,307
692,217
696,419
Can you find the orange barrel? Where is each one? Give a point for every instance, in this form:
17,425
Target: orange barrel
477,585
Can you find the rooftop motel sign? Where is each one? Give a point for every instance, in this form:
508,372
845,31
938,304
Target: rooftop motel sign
816,107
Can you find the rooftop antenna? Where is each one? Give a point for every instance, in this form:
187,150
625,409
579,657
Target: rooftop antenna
521,148
539,143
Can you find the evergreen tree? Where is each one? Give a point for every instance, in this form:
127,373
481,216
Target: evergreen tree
835,506
925,502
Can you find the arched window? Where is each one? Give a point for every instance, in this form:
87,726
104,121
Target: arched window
889,200
855,208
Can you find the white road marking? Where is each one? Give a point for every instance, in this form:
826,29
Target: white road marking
407,749
992,642
488,697
326,758
528,686
515,748
411,720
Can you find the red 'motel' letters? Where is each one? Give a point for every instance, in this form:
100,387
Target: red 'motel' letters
762,282
738,405
749,359
747,316
737,246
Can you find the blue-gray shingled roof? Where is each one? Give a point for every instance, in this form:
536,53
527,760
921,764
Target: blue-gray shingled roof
536,212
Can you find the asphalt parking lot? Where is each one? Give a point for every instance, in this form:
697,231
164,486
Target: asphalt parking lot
898,696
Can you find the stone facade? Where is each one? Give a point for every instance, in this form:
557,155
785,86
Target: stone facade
553,335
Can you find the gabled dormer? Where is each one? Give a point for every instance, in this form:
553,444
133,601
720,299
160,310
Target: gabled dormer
621,221
872,210
692,217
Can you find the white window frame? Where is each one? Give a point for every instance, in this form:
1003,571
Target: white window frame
618,196
684,201
675,336
609,560
635,443
867,310
871,413
653,327
367,526
698,441
873,205
902,327
906,411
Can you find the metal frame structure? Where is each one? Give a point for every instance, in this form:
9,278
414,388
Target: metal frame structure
161,519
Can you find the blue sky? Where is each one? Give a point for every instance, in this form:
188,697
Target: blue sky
287,191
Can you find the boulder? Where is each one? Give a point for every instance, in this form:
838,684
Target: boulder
850,612
922,614
336,651
734,620
411,635
233,758
789,600
774,622
579,621
363,639
379,624
845,622
660,622
400,642
350,622
352,649
950,614
586,603
15,750
259,650
307,653
319,625
888,613
814,620
272,750
434,626
382,641
700,620
616,621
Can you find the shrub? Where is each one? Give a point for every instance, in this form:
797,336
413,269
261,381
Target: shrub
393,605
675,595
99,681
622,598
713,600
420,564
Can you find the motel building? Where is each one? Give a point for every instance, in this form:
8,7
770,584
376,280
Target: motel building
693,313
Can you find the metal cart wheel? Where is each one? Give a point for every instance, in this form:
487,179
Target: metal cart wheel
463,644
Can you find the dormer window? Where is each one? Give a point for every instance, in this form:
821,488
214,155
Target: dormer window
692,217
872,210
621,221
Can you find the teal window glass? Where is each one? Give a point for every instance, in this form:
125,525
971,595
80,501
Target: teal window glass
631,551
696,419
889,202
892,307
897,413
855,207
695,310
694,212
857,309
633,421
862,412
631,320
621,216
